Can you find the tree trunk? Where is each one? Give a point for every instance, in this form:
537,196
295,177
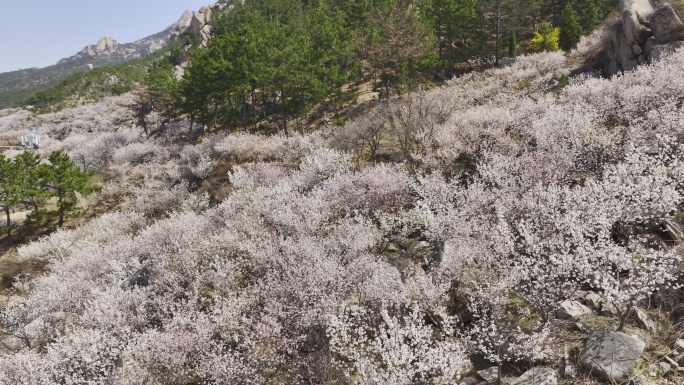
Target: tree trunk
498,30
623,315
9,222
255,116
60,207
282,100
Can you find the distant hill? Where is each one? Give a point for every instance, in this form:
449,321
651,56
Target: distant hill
17,86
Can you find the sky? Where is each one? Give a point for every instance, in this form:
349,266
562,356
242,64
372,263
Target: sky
37,33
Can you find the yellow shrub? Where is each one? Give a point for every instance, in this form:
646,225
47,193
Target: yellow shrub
546,39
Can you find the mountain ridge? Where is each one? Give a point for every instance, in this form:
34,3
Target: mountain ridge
17,86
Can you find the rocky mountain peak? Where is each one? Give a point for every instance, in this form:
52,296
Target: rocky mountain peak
106,45
184,21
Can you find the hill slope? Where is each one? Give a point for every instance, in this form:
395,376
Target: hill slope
494,198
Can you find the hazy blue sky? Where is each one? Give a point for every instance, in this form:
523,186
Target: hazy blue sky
37,33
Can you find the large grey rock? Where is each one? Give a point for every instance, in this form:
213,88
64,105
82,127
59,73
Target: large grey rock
140,277
643,320
570,309
611,354
635,17
666,25
538,376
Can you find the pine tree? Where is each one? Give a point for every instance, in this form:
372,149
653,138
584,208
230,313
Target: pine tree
9,190
570,29
512,45
64,180
30,182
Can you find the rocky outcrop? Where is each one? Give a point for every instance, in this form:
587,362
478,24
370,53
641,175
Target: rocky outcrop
644,321
538,376
666,25
611,354
635,18
644,33
105,46
199,26
490,374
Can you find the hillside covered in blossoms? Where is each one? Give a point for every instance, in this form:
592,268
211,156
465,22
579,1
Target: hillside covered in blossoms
520,224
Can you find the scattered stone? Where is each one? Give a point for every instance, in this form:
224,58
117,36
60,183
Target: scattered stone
611,354
538,376
650,43
659,370
637,50
593,300
392,248
608,309
140,277
679,344
653,370
418,247
664,368
580,327
644,321
489,374
472,380
666,25
570,309
642,60
569,367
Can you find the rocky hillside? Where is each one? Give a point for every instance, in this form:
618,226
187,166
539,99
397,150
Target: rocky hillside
518,225
504,225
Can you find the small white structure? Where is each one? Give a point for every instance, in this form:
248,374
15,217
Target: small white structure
31,141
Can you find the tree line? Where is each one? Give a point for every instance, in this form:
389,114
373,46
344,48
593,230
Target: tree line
281,57
28,183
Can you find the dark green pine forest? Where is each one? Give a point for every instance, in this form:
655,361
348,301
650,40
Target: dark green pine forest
274,61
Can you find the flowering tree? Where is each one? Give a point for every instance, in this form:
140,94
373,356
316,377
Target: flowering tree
395,349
